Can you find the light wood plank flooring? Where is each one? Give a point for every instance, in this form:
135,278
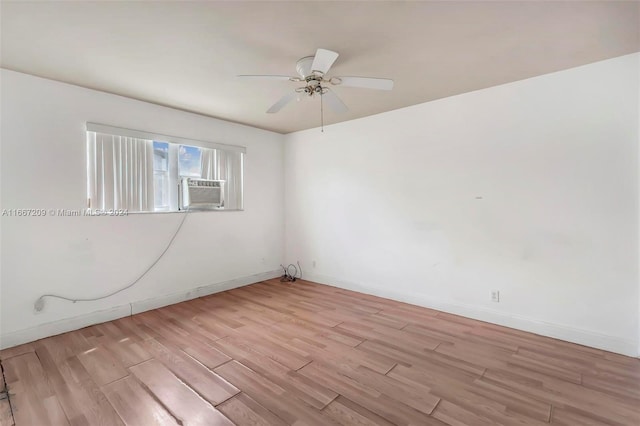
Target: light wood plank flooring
278,353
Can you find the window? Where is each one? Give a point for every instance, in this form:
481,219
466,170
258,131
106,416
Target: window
141,172
190,161
161,176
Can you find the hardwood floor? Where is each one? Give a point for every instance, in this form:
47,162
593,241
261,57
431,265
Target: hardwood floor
277,353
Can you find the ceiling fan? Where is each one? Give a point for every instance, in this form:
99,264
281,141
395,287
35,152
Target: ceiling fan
312,71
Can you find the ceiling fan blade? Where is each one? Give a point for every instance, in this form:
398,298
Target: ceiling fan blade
365,82
334,102
323,60
271,77
282,102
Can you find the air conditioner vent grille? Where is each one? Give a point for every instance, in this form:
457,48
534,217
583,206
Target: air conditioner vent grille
200,195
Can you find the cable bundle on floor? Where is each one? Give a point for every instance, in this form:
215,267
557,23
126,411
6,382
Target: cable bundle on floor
291,272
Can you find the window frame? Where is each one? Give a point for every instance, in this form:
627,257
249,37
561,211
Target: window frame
174,143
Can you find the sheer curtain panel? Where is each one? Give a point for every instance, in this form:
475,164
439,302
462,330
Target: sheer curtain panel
219,164
120,172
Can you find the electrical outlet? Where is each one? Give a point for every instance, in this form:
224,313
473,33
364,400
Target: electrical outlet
495,296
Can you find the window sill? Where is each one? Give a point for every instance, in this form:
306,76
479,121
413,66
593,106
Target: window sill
190,211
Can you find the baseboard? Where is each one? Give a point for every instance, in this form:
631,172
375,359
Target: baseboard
543,328
558,331
69,324
32,334
171,299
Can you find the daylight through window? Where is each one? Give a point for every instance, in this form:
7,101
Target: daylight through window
144,172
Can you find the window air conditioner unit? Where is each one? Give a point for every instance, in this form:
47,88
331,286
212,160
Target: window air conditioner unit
201,194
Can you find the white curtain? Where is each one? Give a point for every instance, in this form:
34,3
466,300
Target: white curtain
120,172
219,164
231,172
208,163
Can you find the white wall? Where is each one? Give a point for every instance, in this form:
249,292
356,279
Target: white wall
44,166
385,205
389,204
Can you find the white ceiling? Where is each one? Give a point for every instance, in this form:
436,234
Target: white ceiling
187,55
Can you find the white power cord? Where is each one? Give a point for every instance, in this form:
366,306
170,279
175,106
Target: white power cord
39,304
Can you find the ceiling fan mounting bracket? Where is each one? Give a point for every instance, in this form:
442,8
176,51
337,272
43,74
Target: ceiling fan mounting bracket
303,66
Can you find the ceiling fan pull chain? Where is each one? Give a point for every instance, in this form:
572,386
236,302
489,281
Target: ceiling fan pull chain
321,113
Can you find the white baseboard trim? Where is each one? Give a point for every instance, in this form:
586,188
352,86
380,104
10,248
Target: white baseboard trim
69,324
543,328
171,299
